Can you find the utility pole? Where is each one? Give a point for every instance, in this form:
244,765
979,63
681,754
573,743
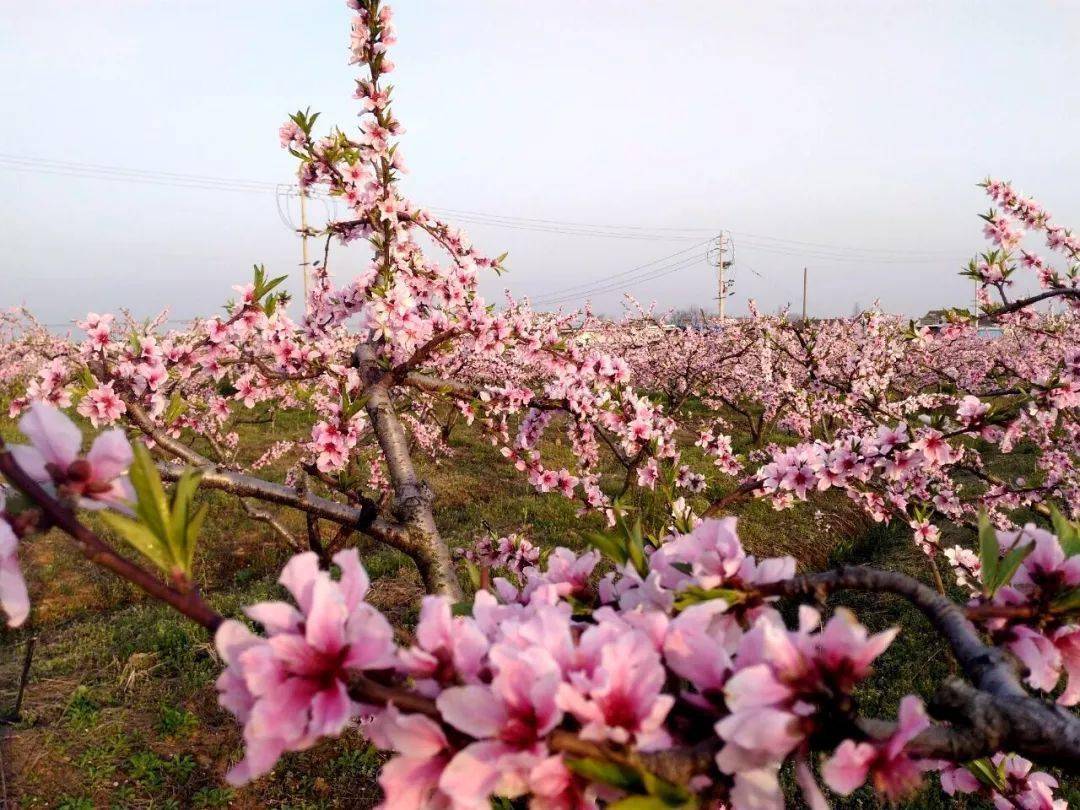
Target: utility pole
303,244
804,295
723,242
720,274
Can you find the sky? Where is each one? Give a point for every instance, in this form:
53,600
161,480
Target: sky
845,137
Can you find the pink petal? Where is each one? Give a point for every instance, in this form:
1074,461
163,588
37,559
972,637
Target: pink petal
1041,658
847,768
276,617
259,758
413,733
472,709
472,774
754,686
808,784
110,455
325,627
758,789
331,710
233,638
14,598
409,782
912,722
768,730
293,655
370,638
433,629
54,435
354,579
470,646
299,575
1067,641
31,462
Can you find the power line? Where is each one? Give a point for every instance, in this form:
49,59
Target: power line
617,286
607,279
101,171
775,244
837,256
460,211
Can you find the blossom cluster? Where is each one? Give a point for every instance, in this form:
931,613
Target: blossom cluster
488,697
1046,637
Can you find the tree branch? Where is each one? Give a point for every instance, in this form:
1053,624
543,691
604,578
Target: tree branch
100,553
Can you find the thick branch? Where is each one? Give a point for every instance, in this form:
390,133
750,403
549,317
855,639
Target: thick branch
996,713
1024,303
363,518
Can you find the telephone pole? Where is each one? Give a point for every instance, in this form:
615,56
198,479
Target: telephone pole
804,294
723,242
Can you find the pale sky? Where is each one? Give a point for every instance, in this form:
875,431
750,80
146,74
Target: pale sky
862,126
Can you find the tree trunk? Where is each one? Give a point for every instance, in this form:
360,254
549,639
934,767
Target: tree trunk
413,497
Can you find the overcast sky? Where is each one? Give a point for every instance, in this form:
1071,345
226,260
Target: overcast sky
861,126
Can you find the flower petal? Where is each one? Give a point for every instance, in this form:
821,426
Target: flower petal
54,435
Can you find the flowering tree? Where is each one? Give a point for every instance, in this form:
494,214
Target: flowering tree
380,361
657,670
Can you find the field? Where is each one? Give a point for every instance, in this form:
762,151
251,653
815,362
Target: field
120,709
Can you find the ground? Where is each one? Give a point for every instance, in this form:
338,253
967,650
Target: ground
120,709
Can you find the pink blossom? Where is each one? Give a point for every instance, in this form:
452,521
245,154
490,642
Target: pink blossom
447,648
699,645
621,698
290,688
101,405
971,409
509,720
892,770
96,480
14,598
410,780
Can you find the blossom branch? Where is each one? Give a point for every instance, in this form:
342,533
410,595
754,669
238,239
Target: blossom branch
97,551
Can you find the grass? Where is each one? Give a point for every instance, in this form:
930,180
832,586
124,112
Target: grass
121,709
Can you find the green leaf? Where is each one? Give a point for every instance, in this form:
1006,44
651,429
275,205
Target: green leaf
152,506
635,547
185,523
1068,532
609,545
177,406
191,537
640,803
695,595
618,776
1007,567
671,794
269,285
167,530
988,552
141,538
987,773
1067,602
